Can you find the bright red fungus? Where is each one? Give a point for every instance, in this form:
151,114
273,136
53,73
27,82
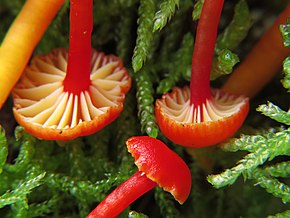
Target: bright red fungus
67,94
157,165
198,116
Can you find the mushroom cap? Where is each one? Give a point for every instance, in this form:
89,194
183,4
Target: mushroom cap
161,165
205,125
47,111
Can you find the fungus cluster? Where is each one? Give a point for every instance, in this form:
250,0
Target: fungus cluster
67,94
77,91
198,116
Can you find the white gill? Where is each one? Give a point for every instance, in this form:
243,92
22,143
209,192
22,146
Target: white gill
176,105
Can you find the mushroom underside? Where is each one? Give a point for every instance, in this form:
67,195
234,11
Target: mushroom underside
40,98
205,125
176,105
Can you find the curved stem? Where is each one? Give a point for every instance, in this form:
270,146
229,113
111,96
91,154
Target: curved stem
123,196
203,51
79,58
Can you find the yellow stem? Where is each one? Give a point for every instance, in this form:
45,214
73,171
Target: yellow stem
262,63
22,38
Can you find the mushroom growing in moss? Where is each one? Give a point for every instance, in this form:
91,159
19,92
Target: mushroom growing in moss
67,94
157,165
199,116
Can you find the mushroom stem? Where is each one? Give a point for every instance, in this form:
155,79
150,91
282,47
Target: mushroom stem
262,63
123,196
203,51
21,39
79,58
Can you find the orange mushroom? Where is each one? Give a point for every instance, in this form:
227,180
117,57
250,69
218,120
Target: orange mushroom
157,165
199,116
67,94
21,39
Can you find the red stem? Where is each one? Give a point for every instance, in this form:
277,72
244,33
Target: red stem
79,57
123,196
203,51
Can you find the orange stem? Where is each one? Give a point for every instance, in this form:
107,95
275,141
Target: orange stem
21,39
262,63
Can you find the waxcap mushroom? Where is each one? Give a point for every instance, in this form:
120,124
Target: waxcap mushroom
161,165
72,92
47,111
158,165
215,121
197,115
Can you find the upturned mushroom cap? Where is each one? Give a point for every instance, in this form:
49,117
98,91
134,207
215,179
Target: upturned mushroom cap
47,111
161,165
203,125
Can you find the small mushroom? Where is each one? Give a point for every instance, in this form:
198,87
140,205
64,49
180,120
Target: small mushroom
67,94
157,165
199,116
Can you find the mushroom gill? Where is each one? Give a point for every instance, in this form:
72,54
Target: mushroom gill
40,99
176,105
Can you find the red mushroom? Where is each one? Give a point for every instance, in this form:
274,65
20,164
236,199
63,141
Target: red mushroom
158,165
200,116
64,95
